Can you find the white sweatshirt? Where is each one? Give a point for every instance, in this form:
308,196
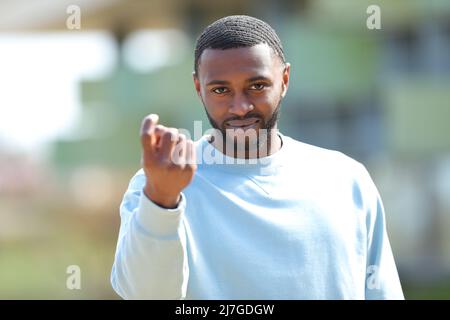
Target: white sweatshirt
305,223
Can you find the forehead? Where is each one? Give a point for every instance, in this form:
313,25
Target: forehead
219,64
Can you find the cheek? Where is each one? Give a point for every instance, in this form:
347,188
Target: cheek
268,100
217,108
264,99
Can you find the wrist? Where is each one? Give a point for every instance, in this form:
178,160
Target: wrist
162,200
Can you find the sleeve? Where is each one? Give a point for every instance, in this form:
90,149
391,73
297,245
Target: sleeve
382,280
150,260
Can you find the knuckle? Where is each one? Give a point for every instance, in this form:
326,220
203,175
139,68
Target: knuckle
171,135
159,128
167,134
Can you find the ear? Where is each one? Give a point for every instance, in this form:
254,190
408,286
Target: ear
286,74
196,83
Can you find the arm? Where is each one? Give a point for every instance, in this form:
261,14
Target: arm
150,260
382,280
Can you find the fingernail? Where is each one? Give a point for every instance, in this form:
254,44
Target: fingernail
154,117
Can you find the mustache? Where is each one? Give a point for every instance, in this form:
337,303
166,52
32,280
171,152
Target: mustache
247,116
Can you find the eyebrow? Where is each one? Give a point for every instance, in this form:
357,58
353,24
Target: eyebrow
252,79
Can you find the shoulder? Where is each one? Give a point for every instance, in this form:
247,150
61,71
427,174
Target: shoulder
331,165
322,157
342,173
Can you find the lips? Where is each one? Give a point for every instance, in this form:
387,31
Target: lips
242,124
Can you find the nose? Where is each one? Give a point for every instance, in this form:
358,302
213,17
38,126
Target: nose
241,105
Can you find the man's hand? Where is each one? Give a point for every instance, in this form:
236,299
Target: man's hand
168,160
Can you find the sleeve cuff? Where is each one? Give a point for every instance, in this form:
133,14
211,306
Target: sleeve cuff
157,220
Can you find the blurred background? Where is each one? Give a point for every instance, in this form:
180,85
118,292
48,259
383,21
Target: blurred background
72,100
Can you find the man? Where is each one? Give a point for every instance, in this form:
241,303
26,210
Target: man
300,222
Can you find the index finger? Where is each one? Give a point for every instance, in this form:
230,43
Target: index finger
147,129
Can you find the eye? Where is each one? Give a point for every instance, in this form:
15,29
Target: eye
258,86
220,90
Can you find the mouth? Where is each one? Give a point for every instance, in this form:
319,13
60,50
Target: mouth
242,124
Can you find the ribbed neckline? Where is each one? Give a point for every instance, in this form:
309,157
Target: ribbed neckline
262,166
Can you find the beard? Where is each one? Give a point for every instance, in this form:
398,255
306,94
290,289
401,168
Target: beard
262,137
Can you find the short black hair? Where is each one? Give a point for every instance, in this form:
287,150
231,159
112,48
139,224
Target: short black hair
236,32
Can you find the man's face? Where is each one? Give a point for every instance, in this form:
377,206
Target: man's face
241,88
